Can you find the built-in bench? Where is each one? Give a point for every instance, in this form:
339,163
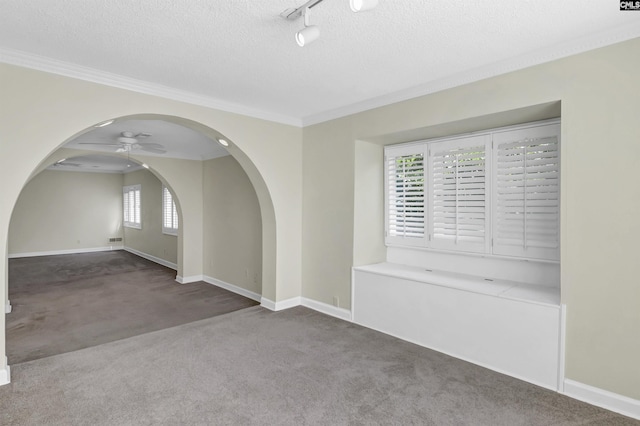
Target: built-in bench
508,326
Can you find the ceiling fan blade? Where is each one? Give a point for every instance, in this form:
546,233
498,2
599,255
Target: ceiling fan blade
98,143
152,149
142,135
151,145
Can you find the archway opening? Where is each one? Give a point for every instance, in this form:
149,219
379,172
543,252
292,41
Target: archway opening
176,175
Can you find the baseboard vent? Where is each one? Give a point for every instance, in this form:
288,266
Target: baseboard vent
113,240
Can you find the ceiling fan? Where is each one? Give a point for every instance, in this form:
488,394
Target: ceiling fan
127,142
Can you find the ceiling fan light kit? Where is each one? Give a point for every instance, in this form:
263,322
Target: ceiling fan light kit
310,32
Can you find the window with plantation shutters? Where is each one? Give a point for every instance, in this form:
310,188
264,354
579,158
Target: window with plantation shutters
169,213
405,195
527,180
459,205
131,206
494,193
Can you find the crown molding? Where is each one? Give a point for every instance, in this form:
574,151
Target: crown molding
67,69
559,51
538,57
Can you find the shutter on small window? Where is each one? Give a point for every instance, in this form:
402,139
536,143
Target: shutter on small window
405,196
527,208
137,208
125,206
458,197
169,212
131,205
166,209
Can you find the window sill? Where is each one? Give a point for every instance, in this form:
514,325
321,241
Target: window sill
530,293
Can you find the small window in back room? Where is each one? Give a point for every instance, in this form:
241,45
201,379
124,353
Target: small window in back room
169,213
131,206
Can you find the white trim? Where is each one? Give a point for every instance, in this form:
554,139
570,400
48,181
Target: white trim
5,373
69,251
233,288
267,303
280,306
67,69
324,308
152,258
7,307
334,311
557,51
562,346
602,398
190,279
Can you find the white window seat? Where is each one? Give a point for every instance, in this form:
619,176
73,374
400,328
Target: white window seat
507,326
533,293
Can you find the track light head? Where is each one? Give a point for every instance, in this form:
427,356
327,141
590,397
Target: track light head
362,5
307,35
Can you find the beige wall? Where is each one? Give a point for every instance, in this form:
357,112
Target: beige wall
232,225
600,97
46,110
149,239
60,210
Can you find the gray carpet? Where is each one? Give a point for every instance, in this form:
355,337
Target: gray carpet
294,367
69,302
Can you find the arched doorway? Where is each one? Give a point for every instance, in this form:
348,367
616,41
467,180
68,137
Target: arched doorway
48,109
143,178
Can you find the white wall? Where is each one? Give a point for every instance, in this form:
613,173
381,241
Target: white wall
60,210
232,226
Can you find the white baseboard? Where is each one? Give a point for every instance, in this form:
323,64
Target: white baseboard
282,305
190,279
7,307
152,258
5,374
343,314
602,398
69,251
334,311
233,288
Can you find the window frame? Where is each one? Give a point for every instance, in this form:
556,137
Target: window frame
489,138
175,222
136,190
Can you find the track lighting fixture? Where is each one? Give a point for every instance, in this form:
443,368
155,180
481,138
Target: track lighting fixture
310,32
362,5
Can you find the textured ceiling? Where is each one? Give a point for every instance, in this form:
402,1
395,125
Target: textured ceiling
242,54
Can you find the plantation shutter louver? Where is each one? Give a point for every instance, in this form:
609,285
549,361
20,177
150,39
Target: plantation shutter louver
169,212
458,197
527,179
405,184
131,206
